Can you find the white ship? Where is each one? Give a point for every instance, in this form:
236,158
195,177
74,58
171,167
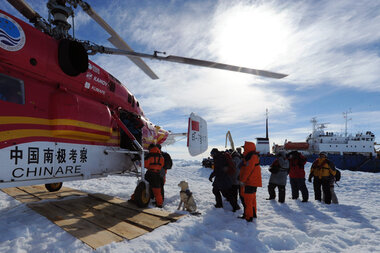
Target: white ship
347,151
333,143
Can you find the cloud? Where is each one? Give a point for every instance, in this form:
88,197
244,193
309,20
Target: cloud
333,44
329,43
221,97
315,42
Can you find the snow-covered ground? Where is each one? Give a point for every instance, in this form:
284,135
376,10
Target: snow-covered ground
351,226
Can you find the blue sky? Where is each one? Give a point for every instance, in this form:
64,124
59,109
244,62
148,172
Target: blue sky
330,49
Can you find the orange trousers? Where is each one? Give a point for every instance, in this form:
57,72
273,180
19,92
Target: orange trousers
157,196
250,206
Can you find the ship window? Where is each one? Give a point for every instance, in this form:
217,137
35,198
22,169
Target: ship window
336,145
12,89
330,145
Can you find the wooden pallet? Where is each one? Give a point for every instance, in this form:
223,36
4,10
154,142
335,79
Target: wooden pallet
95,219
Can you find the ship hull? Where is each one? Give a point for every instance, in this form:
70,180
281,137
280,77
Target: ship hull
344,162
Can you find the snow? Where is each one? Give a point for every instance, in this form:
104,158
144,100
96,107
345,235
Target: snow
351,226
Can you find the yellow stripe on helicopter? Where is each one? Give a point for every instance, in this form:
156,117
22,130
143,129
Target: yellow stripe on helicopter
52,122
66,134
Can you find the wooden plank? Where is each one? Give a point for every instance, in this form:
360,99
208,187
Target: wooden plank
123,203
143,220
40,192
101,219
20,195
97,220
87,232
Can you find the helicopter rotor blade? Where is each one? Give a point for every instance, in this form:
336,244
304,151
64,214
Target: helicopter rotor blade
28,12
216,65
184,60
116,40
24,8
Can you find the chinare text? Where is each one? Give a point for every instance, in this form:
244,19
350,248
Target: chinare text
44,171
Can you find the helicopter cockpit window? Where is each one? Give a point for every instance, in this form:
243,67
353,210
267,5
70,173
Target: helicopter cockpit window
129,98
133,101
11,89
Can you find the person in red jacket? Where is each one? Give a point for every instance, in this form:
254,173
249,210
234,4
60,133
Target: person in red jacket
250,179
297,175
154,163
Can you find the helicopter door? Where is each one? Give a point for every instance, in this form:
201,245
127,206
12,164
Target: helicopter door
134,125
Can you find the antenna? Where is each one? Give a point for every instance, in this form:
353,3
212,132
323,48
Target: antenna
314,122
266,126
346,120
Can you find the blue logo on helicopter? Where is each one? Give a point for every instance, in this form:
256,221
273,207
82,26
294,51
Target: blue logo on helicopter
12,37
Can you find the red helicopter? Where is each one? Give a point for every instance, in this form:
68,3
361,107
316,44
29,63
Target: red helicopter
63,117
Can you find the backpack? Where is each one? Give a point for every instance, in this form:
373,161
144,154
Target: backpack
231,166
337,175
168,161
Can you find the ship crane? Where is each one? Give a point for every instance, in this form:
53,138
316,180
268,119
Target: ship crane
229,137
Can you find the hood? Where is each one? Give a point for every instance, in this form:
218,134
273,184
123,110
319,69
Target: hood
154,150
249,147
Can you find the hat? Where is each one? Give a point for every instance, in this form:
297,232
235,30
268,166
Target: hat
323,154
214,151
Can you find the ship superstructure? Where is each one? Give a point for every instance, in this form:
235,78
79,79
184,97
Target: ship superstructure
346,151
333,143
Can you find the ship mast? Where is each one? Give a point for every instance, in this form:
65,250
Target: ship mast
346,120
266,124
314,122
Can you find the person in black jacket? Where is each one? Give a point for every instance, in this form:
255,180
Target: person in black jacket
222,183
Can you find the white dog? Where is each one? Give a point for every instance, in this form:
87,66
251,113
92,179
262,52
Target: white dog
186,198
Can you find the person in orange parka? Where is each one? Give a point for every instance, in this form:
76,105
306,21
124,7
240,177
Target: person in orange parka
154,162
250,179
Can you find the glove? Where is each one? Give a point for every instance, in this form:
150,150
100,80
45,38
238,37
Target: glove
210,179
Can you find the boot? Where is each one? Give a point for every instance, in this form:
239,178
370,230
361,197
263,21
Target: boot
218,205
281,193
249,220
